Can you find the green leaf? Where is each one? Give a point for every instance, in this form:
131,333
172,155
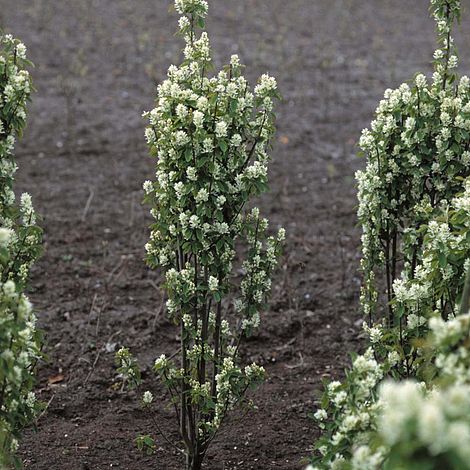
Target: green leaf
201,22
223,145
442,260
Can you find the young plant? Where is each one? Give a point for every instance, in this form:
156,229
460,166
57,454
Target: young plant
19,247
210,137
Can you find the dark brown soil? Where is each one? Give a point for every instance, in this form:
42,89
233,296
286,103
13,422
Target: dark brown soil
84,160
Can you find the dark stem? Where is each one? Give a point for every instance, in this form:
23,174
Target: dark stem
217,348
465,302
446,69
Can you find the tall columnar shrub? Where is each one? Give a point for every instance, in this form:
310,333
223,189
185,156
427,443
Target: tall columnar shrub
414,207
19,247
210,137
417,153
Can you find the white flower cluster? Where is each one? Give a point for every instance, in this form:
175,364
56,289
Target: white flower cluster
258,268
435,425
230,381
128,368
15,90
188,7
439,274
147,398
352,408
449,343
19,354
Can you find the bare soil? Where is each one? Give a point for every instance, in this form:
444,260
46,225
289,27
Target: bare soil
84,159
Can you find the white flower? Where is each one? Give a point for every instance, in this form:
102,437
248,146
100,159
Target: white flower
235,61
162,361
9,289
194,221
186,6
340,398
221,129
5,236
202,103
453,62
31,400
191,173
202,195
256,170
21,50
198,119
147,398
254,370
236,140
266,85
213,283
181,111
431,423
208,145
148,187
184,23
181,138
415,321
27,210
281,234
374,333
333,386
320,415
420,81
393,358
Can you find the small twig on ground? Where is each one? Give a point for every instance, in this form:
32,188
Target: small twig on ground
92,308
131,217
300,364
88,204
121,266
43,412
97,357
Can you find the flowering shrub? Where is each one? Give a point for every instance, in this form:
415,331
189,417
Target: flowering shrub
210,137
416,153
417,160
436,286
19,247
437,335
414,199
